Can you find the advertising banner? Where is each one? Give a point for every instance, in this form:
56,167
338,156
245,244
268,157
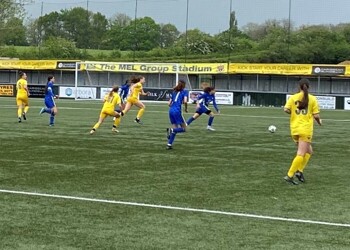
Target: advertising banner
270,68
28,64
79,92
325,102
37,90
6,90
347,103
225,98
65,65
328,70
197,68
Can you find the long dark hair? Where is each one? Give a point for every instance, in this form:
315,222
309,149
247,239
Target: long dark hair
49,78
21,73
181,84
113,90
304,85
136,79
208,89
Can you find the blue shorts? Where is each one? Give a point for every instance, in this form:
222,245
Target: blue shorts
50,103
176,117
203,109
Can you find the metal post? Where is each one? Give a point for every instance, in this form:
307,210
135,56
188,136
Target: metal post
289,30
186,46
135,29
229,47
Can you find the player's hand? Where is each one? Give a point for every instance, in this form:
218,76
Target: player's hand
148,93
57,96
320,123
218,112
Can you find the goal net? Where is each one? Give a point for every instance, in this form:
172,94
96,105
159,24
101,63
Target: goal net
94,79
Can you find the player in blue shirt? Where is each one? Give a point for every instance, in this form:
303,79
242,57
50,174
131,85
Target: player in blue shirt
124,92
203,101
50,104
178,97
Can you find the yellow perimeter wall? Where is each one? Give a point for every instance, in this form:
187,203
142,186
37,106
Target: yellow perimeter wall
184,68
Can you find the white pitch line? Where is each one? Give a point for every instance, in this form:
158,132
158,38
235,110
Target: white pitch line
166,112
177,208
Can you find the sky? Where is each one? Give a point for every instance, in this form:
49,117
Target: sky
210,16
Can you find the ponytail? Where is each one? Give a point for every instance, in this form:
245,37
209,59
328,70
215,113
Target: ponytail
113,90
304,86
180,85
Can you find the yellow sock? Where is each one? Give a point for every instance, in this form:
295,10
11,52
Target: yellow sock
296,164
19,112
97,125
26,108
140,113
305,161
117,121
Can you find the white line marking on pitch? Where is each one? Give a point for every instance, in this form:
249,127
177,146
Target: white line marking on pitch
165,112
177,208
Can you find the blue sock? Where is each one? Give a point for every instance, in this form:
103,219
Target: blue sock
52,119
47,110
178,130
190,121
211,119
172,138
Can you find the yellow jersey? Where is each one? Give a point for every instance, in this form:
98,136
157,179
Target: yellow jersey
21,85
111,101
136,90
302,121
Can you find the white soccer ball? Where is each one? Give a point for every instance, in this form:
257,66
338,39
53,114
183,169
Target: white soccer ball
272,128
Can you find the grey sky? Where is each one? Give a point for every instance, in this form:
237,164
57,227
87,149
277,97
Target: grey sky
210,16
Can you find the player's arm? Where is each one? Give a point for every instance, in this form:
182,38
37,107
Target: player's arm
287,110
185,104
170,102
144,93
25,86
317,118
215,105
288,106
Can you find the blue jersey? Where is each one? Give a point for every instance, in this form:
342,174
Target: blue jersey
124,91
204,100
175,112
177,99
49,95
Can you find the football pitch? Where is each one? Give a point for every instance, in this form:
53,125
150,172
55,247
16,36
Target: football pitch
61,188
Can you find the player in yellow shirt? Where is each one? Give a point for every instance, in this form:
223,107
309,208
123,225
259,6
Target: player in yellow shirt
303,109
136,90
22,96
109,102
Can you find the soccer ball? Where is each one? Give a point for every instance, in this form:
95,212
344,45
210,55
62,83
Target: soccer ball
272,129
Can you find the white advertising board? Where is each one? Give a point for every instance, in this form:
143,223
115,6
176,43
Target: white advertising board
220,97
79,92
347,103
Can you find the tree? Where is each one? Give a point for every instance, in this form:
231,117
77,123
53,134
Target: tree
9,10
168,35
57,47
115,34
16,32
198,42
98,30
142,34
320,44
50,25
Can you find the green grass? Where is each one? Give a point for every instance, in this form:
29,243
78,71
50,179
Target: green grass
238,168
